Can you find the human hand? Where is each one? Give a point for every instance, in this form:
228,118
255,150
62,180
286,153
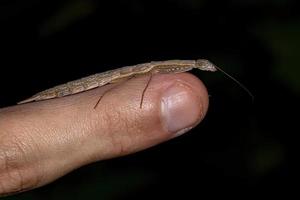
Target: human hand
42,141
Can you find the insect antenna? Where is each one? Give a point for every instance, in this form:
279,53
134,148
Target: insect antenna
235,80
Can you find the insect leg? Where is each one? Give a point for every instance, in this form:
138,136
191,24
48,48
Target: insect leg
142,97
143,94
101,98
114,81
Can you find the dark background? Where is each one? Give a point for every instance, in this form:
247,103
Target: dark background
242,148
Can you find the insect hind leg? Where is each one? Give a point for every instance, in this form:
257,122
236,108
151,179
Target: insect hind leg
114,81
144,91
142,96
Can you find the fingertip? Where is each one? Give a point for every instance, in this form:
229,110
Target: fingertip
183,104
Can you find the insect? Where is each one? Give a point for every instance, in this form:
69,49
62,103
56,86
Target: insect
125,73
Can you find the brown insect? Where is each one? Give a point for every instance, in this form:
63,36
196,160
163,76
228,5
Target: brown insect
125,73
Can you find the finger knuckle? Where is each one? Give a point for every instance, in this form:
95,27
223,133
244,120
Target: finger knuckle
16,174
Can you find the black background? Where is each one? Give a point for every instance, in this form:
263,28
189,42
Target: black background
242,148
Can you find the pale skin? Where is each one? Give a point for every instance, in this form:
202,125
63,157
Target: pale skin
42,141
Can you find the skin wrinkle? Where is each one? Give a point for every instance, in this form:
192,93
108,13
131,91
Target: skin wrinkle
88,128
122,137
19,164
127,136
136,131
49,138
70,135
21,148
13,163
117,121
116,140
66,143
45,144
5,166
10,174
38,178
105,122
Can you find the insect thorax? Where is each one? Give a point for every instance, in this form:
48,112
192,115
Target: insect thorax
172,68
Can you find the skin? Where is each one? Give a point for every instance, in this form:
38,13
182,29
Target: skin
42,141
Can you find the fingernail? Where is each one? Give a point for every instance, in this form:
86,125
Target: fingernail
181,109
